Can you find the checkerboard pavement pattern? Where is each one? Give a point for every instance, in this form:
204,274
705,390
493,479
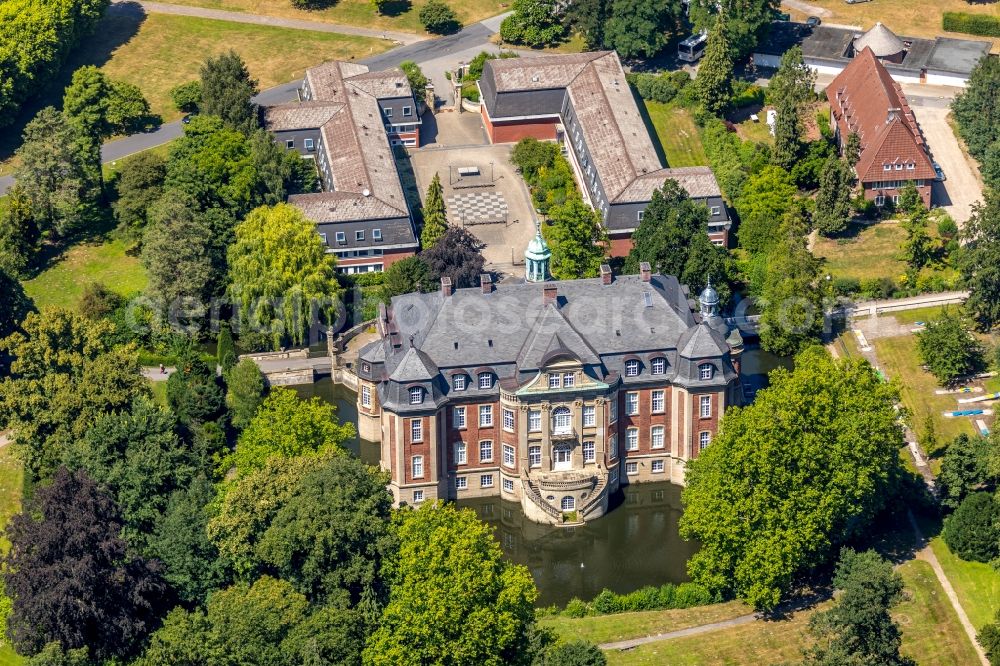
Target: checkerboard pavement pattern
477,208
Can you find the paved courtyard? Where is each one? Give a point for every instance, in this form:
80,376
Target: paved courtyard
494,205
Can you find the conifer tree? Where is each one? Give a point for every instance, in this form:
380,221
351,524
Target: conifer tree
715,76
434,213
833,201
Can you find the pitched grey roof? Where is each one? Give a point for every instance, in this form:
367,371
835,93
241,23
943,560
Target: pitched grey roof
698,182
552,336
701,342
415,366
299,115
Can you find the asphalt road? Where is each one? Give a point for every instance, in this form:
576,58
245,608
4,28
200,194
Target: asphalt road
471,37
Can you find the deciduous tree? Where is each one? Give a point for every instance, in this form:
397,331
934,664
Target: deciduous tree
288,426
973,531
19,234
977,113
965,468
456,255
533,23
452,592
859,628
746,21
577,240
139,185
14,305
794,80
766,198
406,275
947,349
791,476
187,96
792,309
439,18
281,277
71,577
980,260
640,28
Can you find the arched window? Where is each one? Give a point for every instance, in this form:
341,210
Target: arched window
568,503
562,420
658,366
631,368
485,380
706,371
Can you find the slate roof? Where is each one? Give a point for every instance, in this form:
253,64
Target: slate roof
621,149
866,100
702,342
356,151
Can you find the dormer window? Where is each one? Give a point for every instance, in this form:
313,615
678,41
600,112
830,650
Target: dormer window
632,368
555,380
485,380
899,167
887,167
458,382
658,366
416,395
706,371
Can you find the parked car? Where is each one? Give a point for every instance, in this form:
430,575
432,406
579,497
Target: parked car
939,172
813,21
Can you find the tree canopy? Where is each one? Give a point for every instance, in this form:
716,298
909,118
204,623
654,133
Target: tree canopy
977,113
791,476
765,199
969,464
640,28
227,90
281,277
456,255
833,201
794,80
434,214
14,304
245,391
287,426
452,592
973,531
715,74
577,239
71,577
947,349
533,23
979,263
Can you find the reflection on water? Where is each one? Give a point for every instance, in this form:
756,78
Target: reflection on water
635,544
345,400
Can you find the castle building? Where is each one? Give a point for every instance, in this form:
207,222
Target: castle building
549,393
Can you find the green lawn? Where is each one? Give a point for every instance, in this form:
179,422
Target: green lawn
164,50
11,488
609,628
977,584
870,253
932,633
678,135
900,361
61,285
401,15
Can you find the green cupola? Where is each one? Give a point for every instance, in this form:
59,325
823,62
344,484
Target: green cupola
536,258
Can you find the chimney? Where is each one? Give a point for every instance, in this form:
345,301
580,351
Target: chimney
446,288
550,295
605,274
486,282
644,271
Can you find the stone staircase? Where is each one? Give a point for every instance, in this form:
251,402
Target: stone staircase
596,495
531,490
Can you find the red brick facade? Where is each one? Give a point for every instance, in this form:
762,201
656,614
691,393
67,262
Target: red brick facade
512,131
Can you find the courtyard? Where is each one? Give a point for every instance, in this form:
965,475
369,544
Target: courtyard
482,191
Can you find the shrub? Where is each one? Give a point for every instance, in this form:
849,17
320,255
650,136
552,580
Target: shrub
973,531
438,18
971,24
574,653
689,595
606,602
99,302
746,94
878,288
946,227
846,286
654,87
187,96
575,608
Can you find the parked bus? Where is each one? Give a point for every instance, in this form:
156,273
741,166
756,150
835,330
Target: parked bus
692,48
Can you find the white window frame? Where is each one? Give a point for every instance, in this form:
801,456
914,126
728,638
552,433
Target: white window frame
407,111
657,437
485,416
568,380
366,395
639,215
567,503
341,237
309,144
507,485
716,210
485,381
613,475
706,371
359,234
631,468
486,446
458,418
886,167
657,401
486,480
562,420
613,409
589,451
613,446
656,467
631,439
555,380
387,111
658,366
534,420
632,403
461,453
508,456
418,496
376,234
704,439
632,368
705,406
416,395
289,143
534,456
589,416
461,483
417,467
416,430
458,382
508,419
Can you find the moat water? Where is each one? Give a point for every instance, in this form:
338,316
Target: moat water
637,543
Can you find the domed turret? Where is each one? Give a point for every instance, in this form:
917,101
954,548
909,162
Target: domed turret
536,258
709,301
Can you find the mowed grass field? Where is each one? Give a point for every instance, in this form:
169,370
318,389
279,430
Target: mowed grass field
401,15
907,18
62,283
163,51
870,253
977,584
678,135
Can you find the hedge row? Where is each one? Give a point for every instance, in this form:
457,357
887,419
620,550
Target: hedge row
664,597
972,24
